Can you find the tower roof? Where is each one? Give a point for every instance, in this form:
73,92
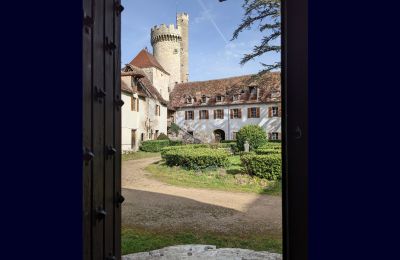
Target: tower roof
145,60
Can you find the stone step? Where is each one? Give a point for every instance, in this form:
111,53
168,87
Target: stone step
202,252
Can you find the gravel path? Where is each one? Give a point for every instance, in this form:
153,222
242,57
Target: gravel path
154,205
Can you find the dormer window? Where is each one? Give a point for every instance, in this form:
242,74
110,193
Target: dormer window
203,99
236,97
218,98
253,90
189,100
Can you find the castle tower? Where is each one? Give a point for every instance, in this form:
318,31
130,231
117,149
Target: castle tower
182,22
166,42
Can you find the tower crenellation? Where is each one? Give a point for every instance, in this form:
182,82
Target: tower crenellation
170,48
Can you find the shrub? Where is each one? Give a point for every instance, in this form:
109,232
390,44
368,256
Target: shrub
254,134
196,158
157,145
228,141
162,136
181,147
174,128
266,166
174,143
263,150
154,145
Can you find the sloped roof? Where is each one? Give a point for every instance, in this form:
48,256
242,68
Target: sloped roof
125,87
145,60
133,71
267,88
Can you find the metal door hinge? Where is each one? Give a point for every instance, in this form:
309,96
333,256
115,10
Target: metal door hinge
100,213
119,199
110,46
87,155
118,8
99,93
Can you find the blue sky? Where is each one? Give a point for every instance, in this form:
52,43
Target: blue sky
211,53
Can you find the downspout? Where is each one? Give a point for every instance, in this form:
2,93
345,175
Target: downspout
229,122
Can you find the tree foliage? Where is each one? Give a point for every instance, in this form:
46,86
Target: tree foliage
266,16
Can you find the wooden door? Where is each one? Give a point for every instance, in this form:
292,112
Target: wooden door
133,139
101,129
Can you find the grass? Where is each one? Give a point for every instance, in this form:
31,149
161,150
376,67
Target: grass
135,240
231,178
138,155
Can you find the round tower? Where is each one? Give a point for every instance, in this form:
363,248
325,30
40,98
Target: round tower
182,22
166,42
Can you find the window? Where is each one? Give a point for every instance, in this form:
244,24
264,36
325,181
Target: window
252,90
155,137
253,112
218,98
203,114
189,115
236,97
234,135
175,51
133,103
219,114
189,100
203,99
273,111
236,113
274,136
190,132
142,136
157,110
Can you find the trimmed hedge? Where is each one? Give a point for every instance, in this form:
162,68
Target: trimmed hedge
157,145
267,151
181,147
196,158
162,136
268,166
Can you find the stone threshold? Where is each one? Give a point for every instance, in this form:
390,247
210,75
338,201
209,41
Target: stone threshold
202,252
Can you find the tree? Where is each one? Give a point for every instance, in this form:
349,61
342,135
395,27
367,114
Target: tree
266,15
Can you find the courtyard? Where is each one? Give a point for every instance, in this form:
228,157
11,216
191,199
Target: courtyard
158,213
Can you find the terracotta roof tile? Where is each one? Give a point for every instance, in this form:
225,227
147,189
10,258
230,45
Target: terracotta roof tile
145,60
267,89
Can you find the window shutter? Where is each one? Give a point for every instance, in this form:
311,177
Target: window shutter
137,108
269,136
186,112
249,112
279,136
200,114
257,112
215,114
223,112
206,114
269,111
279,110
231,112
239,113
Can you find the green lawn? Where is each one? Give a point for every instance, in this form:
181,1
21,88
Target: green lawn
231,178
134,240
139,155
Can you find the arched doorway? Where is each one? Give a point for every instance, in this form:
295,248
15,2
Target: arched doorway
219,135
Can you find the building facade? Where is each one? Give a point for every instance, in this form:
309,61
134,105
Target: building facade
144,111
216,110
157,92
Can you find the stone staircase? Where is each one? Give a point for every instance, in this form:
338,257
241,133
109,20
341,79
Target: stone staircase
202,252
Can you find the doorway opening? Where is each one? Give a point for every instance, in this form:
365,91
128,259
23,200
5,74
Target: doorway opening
219,135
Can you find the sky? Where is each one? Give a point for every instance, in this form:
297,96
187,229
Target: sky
212,54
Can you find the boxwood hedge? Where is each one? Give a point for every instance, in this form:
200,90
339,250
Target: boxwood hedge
157,145
266,166
196,158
